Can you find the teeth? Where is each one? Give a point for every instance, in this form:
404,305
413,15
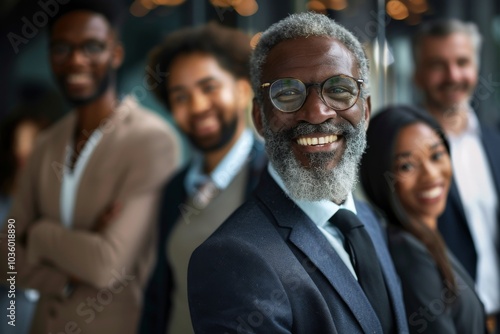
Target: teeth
317,140
205,123
78,78
432,193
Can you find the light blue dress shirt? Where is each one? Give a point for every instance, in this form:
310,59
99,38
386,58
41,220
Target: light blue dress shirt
227,168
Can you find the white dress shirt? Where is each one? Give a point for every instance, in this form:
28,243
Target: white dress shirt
71,177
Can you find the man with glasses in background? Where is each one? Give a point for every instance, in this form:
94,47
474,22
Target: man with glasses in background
84,214
302,256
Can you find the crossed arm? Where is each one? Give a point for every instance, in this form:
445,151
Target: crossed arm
48,255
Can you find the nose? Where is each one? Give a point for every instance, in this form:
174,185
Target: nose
199,103
77,57
314,110
453,73
429,171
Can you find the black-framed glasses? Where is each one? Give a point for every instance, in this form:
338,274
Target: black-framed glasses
92,49
339,92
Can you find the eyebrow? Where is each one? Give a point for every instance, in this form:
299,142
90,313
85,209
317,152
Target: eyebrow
65,41
198,83
406,154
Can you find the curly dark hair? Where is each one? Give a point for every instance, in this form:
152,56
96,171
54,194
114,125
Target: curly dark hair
230,47
112,10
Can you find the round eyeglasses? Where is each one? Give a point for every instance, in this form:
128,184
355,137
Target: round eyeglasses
92,49
339,92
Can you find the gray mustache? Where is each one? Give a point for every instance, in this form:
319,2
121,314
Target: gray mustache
303,129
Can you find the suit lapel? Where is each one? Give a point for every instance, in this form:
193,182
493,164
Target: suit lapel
55,161
388,270
306,236
491,141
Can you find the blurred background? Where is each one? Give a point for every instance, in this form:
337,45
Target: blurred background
384,26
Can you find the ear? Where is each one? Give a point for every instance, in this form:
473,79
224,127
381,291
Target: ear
367,109
117,56
257,117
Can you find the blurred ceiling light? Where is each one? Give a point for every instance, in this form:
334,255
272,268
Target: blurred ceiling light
168,2
397,10
418,6
226,3
148,4
255,39
137,9
335,4
246,7
316,6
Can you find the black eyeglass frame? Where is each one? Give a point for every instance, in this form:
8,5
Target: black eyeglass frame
84,48
359,82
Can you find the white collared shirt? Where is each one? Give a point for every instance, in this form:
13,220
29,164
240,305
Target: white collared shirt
477,192
71,178
320,212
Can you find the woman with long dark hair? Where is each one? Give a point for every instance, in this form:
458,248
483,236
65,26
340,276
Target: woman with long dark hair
406,172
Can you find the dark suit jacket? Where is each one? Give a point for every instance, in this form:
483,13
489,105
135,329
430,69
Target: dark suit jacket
425,294
453,223
269,269
157,299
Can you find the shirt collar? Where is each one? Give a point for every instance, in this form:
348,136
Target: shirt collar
472,123
318,211
227,168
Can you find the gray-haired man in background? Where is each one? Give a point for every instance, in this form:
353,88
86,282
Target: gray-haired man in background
446,56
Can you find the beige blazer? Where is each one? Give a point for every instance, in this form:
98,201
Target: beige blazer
136,155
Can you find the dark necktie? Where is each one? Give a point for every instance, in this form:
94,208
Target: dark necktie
366,264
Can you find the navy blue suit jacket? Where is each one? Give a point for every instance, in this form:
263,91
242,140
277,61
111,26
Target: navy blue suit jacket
269,269
453,223
157,297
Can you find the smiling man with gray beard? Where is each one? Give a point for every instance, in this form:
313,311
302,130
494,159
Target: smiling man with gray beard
302,256
317,183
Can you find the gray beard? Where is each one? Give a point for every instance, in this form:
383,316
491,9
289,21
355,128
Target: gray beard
317,183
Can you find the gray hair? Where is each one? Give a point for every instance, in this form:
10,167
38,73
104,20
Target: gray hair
304,25
446,27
